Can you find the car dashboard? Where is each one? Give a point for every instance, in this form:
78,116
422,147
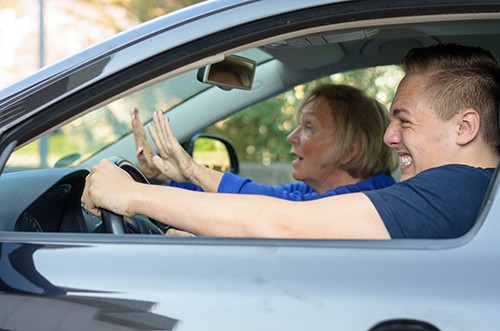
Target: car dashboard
51,204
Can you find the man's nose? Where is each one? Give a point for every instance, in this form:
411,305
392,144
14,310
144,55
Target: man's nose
392,136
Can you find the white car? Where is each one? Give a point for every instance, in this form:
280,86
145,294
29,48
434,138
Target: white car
60,270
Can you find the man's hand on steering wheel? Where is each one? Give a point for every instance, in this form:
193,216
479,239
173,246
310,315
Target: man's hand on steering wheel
99,194
105,200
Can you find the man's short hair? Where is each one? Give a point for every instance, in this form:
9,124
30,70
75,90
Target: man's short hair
460,77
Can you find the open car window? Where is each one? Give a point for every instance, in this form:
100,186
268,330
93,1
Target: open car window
256,121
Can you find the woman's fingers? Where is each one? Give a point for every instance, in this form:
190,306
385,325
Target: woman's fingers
144,151
156,139
169,134
163,136
138,129
158,134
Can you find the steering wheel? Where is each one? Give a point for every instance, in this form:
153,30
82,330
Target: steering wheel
116,224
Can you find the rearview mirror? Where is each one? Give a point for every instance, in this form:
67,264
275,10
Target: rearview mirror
233,72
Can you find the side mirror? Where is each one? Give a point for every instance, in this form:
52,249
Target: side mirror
214,152
233,72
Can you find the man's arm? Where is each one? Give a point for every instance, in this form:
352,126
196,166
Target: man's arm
349,216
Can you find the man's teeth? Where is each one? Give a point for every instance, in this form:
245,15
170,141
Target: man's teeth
406,160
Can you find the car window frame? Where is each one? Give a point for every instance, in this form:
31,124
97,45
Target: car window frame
167,63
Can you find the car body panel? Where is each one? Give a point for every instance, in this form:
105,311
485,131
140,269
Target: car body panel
279,285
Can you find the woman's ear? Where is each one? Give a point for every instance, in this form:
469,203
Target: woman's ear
354,152
468,126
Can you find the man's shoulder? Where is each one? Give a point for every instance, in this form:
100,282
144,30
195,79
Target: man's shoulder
454,170
440,202
459,168
440,179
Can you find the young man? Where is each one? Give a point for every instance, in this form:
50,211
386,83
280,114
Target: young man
444,126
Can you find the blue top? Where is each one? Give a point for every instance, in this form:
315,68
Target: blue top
296,191
438,203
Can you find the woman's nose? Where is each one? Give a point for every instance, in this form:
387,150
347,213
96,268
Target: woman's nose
292,138
392,136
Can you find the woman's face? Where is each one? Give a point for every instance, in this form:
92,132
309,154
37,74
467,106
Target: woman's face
313,143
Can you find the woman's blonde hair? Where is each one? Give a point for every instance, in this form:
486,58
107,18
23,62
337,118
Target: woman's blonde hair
360,123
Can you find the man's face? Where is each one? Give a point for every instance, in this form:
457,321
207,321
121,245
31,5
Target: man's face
419,136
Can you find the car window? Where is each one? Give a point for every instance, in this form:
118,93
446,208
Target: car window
83,137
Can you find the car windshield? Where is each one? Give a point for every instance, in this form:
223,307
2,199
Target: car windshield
75,142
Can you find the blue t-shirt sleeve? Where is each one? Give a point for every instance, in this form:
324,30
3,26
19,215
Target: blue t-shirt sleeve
438,203
297,191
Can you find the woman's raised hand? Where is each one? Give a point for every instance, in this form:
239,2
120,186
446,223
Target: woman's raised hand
144,151
175,162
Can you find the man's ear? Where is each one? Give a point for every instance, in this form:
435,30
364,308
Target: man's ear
468,126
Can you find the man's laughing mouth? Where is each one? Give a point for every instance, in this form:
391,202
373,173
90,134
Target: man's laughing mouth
406,160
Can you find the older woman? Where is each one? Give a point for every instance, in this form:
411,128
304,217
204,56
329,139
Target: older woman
338,146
